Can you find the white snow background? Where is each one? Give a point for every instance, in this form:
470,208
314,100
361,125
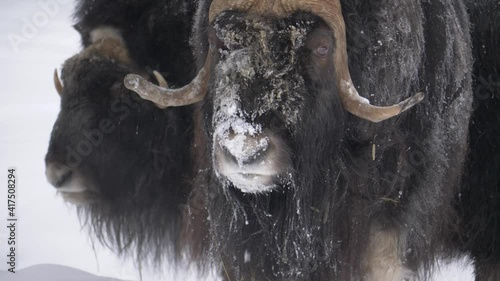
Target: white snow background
48,231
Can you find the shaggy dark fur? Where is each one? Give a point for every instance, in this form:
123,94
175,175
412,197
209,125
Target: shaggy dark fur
140,174
479,199
316,225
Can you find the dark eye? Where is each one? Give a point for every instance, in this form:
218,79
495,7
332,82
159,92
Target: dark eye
322,51
117,88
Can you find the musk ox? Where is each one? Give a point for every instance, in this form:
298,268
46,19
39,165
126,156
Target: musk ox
123,161
303,179
479,199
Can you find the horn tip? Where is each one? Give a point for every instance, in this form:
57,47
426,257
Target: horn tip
420,96
132,81
57,83
56,75
160,79
412,101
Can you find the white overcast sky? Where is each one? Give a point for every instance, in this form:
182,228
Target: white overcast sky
48,230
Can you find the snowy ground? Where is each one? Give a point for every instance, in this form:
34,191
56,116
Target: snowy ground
34,41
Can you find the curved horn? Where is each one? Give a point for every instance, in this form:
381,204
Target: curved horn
163,97
57,83
331,12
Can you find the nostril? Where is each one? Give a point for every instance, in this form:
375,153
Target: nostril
64,178
57,174
245,149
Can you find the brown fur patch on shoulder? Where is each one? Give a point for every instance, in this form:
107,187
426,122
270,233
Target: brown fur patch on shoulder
107,43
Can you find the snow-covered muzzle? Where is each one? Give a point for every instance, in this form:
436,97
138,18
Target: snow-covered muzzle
258,95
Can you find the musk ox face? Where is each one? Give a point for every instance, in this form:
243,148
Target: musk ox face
107,144
95,128
269,79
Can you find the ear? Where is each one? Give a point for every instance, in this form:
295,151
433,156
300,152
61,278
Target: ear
84,34
78,27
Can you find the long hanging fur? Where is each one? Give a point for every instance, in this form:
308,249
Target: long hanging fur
478,200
